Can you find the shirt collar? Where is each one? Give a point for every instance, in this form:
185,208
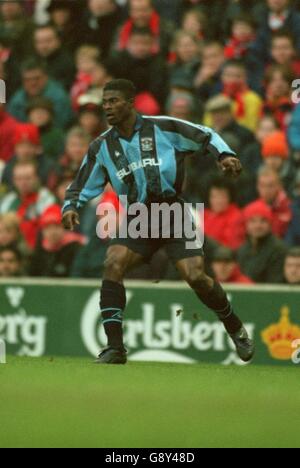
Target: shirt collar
138,125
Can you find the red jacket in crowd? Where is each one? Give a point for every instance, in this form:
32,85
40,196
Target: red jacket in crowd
7,130
282,214
126,30
227,228
239,278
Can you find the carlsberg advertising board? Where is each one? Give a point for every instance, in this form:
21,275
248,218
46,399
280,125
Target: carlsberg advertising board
163,322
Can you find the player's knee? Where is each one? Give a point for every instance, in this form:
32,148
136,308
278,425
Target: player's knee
196,277
114,270
115,265
198,280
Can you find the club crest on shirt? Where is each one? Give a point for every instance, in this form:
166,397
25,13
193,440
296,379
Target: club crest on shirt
118,154
147,144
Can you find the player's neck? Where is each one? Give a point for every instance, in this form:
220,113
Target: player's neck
126,128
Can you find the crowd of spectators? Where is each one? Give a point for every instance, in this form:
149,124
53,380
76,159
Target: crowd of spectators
228,64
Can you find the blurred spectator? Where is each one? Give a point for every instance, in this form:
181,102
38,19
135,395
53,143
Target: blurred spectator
262,256
101,23
251,156
275,151
247,104
195,22
86,59
10,234
208,78
186,49
278,84
55,253
226,268
91,117
270,190
213,11
283,52
28,200
292,267
278,14
101,73
36,83
28,149
243,33
221,114
139,64
40,113
16,28
64,17
9,69
170,9
7,128
11,263
57,60
62,184
143,15
181,105
223,219
76,147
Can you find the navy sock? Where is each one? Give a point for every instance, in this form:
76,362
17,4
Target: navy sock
216,300
113,303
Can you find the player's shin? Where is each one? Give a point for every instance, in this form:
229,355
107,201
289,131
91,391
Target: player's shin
113,303
216,300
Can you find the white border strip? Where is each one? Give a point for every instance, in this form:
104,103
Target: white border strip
141,285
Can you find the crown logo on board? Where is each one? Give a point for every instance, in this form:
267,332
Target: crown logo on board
279,337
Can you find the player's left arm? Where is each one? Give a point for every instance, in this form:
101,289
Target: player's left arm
188,137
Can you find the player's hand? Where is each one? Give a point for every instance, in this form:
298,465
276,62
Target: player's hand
231,166
70,220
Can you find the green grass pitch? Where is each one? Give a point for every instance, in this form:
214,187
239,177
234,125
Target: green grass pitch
73,403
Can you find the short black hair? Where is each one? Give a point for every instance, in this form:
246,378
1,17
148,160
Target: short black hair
283,34
294,252
238,63
245,18
141,31
223,183
41,27
13,250
126,87
33,64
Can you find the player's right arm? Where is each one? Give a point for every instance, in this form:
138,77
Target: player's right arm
88,184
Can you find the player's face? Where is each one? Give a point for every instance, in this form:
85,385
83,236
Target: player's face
116,107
